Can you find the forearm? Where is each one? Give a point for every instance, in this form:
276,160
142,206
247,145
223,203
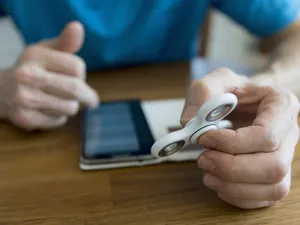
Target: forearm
284,67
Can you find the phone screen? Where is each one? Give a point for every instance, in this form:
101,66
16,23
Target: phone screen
117,128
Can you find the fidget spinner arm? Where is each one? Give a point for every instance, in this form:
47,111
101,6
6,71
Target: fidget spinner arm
209,117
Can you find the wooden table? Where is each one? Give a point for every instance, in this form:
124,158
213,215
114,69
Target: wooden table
41,182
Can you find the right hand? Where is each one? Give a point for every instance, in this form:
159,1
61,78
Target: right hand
47,84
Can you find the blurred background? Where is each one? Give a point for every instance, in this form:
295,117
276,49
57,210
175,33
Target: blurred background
223,40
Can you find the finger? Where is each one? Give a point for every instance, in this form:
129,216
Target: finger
59,85
263,168
54,61
70,40
218,81
32,120
256,192
276,114
247,204
41,101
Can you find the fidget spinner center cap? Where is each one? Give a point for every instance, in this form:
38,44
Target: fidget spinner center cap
195,137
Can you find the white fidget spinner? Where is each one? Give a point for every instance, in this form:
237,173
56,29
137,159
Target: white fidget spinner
209,117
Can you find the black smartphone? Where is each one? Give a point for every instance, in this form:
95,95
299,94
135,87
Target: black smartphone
115,133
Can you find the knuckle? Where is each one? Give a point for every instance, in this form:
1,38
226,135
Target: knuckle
22,119
79,67
27,73
22,115
32,52
21,97
25,98
281,170
270,141
20,75
75,87
280,191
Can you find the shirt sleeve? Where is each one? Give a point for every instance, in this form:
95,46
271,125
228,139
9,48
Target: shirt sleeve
262,18
2,12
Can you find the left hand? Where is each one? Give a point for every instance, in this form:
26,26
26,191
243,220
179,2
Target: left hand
249,166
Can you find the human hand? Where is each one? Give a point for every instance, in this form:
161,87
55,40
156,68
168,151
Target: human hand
250,165
47,84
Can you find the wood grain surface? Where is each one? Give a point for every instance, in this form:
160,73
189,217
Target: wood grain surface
41,183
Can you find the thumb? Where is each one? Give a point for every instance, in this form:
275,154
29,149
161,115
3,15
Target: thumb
216,82
70,40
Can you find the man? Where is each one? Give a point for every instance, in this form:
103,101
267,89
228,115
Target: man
249,167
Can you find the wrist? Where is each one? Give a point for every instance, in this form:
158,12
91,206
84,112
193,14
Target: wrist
272,80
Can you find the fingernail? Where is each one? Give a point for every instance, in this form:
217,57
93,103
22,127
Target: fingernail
206,164
212,182
189,112
240,91
207,141
95,104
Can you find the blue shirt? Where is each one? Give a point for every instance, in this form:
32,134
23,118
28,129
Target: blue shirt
122,32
